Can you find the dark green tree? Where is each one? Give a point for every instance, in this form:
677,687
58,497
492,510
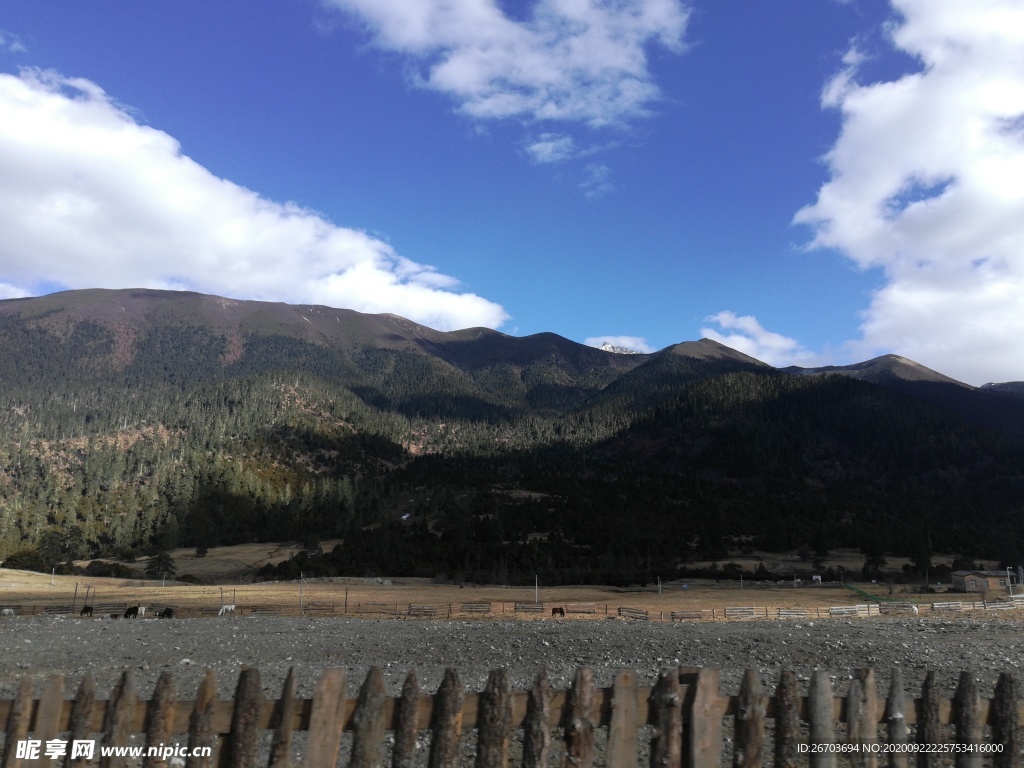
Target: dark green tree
26,560
160,565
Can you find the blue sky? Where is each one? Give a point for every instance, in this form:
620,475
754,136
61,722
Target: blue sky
809,181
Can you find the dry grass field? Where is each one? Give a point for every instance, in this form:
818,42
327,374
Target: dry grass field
228,573
25,588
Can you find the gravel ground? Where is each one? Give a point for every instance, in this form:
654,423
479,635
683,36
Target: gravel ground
189,646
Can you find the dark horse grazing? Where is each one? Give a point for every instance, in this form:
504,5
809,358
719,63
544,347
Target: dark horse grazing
132,613
86,610
166,613
558,612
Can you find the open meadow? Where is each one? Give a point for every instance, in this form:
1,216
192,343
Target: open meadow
32,592
228,575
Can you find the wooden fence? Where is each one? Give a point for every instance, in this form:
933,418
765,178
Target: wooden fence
685,711
448,610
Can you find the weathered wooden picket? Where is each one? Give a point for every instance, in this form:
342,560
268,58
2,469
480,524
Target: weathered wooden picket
685,710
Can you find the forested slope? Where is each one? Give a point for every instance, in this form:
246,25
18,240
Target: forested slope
133,421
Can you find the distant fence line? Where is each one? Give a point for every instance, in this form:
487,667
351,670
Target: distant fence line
685,710
471,609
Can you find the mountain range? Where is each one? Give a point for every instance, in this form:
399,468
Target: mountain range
137,420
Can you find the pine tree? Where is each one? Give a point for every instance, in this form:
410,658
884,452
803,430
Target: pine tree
161,565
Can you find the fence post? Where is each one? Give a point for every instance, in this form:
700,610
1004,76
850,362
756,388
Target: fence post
821,714
447,725
284,717
967,716
622,731
1005,722
160,719
579,730
242,743
787,720
368,723
118,720
862,719
326,719
929,726
494,721
18,722
750,716
667,739
81,717
47,724
200,722
406,725
537,728
705,743
896,719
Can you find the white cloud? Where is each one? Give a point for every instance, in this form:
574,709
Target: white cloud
597,182
12,292
749,337
551,148
88,197
926,185
636,343
570,60
11,42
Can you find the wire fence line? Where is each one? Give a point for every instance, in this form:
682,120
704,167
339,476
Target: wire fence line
559,610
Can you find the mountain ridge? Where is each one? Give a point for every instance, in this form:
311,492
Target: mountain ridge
879,369
312,322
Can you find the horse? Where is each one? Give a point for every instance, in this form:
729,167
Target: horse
86,611
166,613
7,612
132,613
558,611
229,608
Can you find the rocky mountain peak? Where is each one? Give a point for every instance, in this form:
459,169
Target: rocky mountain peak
608,347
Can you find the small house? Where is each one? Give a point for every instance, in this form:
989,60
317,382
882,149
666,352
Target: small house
978,581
